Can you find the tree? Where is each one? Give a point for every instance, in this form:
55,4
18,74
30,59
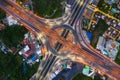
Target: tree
80,76
12,65
12,36
9,63
97,77
2,15
42,8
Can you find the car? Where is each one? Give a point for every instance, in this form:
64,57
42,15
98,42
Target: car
4,50
57,72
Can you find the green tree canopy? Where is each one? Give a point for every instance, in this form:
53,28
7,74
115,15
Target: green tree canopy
2,14
12,36
80,76
11,67
8,64
47,7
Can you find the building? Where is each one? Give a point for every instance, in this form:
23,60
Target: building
2,26
113,10
69,64
112,32
67,8
101,43
11,21
26,52
3,48
110,1
108,47
32,49
38,50
34,58
88,71
112,48
94,2
118,5
88,12
118,39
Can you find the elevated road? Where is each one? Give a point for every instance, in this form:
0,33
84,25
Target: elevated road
58,45
75,10
110,70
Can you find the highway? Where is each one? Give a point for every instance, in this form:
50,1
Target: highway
57,48
52,59
43,21
76,9
112,72
71,20
91,51
87,47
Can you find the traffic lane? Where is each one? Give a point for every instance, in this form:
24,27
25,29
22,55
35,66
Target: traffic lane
75,7
69,73
26,22
94,51
79,17
76,11
72,6
89,50
48,68
21,19
29,13
68,27
70,2
42,21
82,10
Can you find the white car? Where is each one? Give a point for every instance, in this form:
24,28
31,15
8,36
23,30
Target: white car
57,72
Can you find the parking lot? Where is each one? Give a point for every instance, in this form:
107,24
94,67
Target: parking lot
67,74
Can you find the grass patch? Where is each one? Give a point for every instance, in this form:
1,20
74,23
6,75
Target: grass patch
99,30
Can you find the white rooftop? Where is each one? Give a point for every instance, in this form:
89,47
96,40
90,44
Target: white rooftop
38,52
101,42
11,21
20,53
26,35
112,48
26,48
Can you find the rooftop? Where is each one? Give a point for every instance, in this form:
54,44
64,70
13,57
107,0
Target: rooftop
2,26
11,21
